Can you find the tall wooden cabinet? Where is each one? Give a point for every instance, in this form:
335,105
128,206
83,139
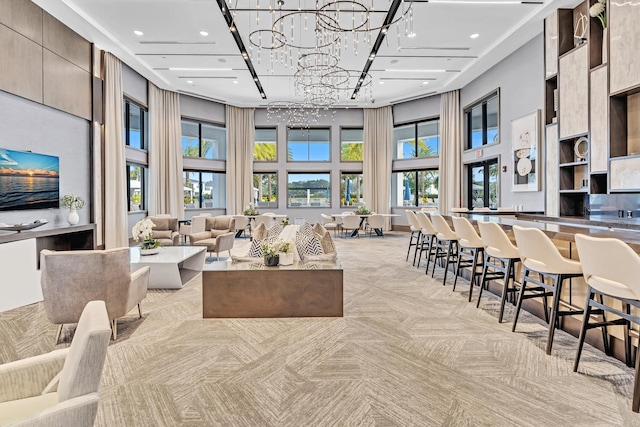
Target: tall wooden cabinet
592,90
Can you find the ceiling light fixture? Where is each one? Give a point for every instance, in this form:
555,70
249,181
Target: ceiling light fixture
204,33
198,69
190,81
235,81
138,33
474,36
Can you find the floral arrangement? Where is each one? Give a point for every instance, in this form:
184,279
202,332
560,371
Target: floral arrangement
72,202
362,210
143,232
285,221
250,210
285,247
599,10
269,251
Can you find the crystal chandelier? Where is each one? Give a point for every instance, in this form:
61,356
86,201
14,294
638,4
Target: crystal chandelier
313,42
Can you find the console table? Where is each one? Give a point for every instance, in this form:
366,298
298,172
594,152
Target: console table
20,259
246,289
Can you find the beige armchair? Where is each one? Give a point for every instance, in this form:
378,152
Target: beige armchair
59,388
166,230
219,236
70,279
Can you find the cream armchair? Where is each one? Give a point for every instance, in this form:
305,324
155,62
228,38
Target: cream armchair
70,279
219,236
165,230
60,388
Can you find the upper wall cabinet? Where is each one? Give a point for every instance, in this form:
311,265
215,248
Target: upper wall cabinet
624,39
573,81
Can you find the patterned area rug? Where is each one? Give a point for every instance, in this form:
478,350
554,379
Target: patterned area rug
408,352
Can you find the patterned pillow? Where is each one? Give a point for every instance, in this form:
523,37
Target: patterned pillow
256,246
308,245
306,229
260,232
274,230
318,229
327,242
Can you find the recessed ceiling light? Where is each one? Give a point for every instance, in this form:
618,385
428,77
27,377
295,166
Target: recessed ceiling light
474,36
204,33
190,81
477,1
138,33
425,83
198,69
235,81
381,82
415,71
411,34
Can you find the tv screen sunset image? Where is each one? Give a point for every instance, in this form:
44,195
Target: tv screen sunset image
28,180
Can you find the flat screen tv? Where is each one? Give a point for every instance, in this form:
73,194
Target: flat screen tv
28,180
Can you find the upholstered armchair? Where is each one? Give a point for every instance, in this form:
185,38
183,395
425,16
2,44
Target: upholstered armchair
166,230
219,235
60,388
70,279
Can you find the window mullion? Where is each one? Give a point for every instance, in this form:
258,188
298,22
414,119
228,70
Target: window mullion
484,123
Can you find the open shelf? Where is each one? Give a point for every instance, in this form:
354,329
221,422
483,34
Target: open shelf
624,128
551,100
598,183
573,204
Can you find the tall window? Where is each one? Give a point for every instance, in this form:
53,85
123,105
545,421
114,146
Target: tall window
481,122
265,189
136,125
351,143
204,189
266,146
308,145
421,139
136,190
203,140
309,189
415,188
351,189
482,184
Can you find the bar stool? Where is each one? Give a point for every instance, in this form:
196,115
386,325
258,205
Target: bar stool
415,234
601,260
501,257
470,246
540,255
445,238
428,240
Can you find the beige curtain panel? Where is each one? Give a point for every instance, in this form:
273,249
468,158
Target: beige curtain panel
166,194
241,135
115,173
376,165
449,193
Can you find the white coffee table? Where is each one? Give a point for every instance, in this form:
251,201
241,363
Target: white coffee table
172,267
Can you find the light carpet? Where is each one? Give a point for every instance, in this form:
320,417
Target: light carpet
408,352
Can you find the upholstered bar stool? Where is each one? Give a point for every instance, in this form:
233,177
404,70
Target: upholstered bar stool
428,240
414,239
470,247
447,242
601,264
540,255
500,261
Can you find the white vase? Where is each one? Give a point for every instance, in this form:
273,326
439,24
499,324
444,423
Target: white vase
73,217
151,251
286,259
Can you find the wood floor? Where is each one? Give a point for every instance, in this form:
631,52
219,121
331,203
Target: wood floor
408,352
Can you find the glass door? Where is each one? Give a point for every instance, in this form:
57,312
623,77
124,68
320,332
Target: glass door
482,184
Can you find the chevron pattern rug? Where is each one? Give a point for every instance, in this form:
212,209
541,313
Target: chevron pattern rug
408,352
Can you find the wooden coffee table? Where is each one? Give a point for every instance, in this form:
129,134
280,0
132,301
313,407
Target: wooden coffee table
172,267
246,289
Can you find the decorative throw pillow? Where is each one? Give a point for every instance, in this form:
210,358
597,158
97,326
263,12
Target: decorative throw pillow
256,247
327,242
161,234
260,232
308,245
274,230
319,229
306,229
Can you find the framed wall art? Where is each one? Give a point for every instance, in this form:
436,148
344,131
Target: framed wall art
525,141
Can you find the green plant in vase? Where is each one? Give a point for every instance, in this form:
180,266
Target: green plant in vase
143,232
250,210
362,210
270,254
73,203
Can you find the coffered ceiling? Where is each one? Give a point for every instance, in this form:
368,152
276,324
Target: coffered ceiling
187,46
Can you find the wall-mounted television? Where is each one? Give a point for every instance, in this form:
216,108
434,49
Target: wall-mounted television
28,180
